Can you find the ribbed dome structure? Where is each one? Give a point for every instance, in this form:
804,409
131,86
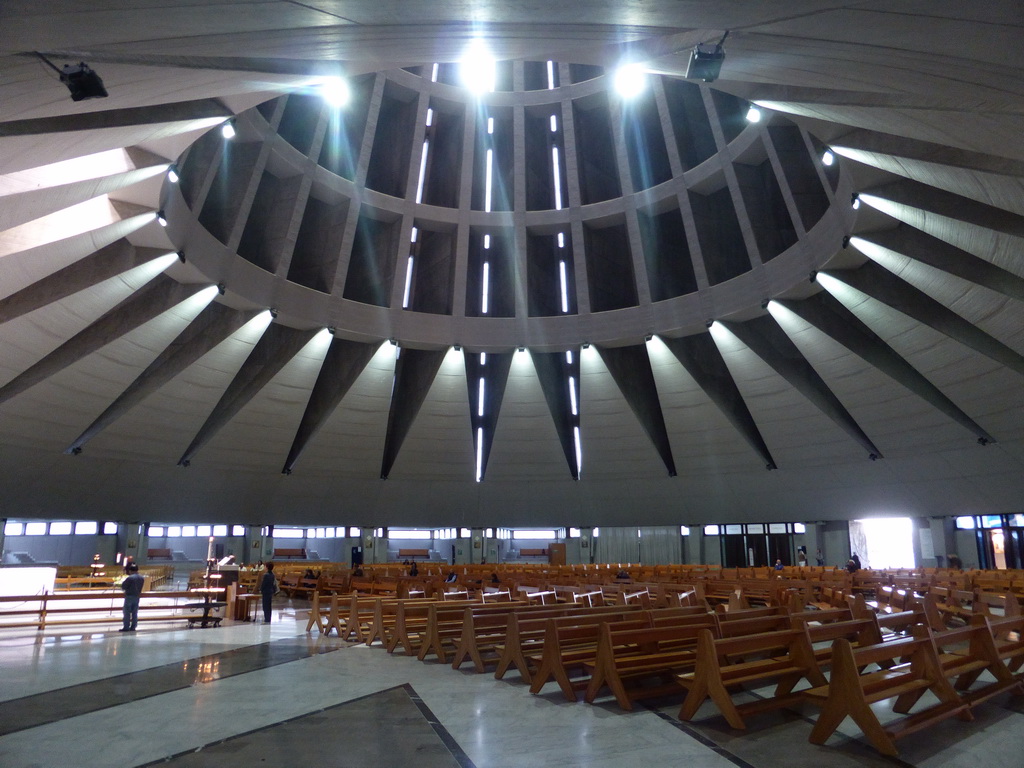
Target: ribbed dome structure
545,296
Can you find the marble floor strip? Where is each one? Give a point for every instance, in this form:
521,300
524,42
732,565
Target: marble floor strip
71,701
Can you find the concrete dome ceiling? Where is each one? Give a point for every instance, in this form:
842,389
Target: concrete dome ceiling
901,347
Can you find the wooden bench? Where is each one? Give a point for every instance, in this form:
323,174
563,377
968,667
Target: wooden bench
525,633
1008,637
628,657
290,554
964,665
533,552
790,659
412,554
160,553
444,627
851,693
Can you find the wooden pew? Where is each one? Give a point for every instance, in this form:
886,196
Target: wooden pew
966,664
850,693
1008,637
790,659
628,657
444,626
525,634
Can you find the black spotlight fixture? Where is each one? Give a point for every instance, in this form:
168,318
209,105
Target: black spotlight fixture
81,80
273,313
706,61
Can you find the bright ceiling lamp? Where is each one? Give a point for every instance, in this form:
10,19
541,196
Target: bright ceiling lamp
335,91
227,130
478,68
753,114
630,80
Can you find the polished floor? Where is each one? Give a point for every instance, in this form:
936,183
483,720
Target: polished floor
268,694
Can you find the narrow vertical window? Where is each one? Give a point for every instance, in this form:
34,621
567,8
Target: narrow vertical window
558,178
423,172
486,287
487,180
563,280
408,284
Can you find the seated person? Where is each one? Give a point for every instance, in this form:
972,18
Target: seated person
450,578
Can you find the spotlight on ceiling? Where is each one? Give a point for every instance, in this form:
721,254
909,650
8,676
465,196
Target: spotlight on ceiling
827,158
630,80
855,201
813,276
477,68
172,174
706,61
335,91
81,80
846,242
227,130
161,219
753,114
221,288
181,256
273,313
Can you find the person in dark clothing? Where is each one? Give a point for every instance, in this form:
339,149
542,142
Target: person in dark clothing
268,586
414,571
856,560
132,586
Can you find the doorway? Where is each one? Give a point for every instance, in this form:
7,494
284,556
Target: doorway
883,542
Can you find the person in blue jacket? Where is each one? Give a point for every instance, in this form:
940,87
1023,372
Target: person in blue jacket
132,586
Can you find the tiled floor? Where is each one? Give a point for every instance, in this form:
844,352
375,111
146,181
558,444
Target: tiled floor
252,694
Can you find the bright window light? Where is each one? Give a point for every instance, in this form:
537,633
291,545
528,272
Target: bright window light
551,75
486,287
415,233
684,530
574,533
572,395
477,69
568,356
204,530
408,284
174,531
710,530
564,281
827,158
238,530
353,531
227,130
423,172
558,178
220,530
579,450
487,242
965,523
630,80
109,528
464,533
483,358
799,528
188,530
433,79
753,114
487,180
883,542
60,529
335,91
479,453
156,531
14,529
524,535
480,398
35,529
407,533
490,126
86,528
554,124
430,117
288,533
561,240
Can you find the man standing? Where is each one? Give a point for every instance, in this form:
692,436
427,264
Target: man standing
132,586
267,588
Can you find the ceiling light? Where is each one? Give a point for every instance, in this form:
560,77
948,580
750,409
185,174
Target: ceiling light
161,219
227,130
827,158
477,68
335,91
706,61
630,80
172,174
753,114
855,201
